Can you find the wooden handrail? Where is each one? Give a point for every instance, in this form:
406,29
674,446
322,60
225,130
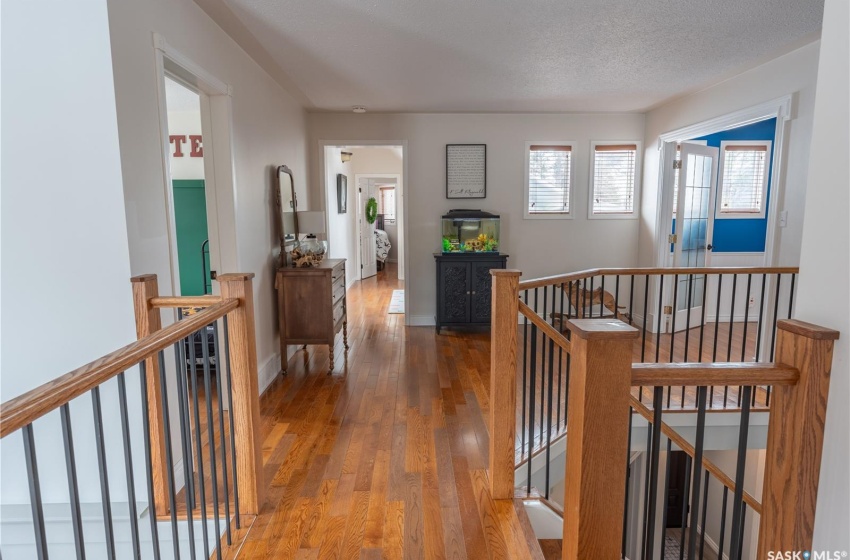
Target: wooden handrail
694,374
683,444
184,301
652,271
34,404
547,329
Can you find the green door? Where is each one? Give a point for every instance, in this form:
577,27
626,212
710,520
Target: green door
190,215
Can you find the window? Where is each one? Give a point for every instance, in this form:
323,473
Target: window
549,178
388,203
614,177
676,173
743,179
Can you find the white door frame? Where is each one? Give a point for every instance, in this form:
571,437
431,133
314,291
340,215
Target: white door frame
219,179
400,196
782,110
398,181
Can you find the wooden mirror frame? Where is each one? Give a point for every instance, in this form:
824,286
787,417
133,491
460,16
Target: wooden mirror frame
279,207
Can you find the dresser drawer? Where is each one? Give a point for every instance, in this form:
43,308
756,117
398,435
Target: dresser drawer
338,312
338,273
338,290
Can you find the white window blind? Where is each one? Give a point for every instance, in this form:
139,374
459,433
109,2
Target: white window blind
614,179
549,179
744,178
388,203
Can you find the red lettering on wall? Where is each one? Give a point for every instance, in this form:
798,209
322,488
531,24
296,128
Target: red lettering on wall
177,140
196,148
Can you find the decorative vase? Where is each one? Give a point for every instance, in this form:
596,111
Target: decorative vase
308,252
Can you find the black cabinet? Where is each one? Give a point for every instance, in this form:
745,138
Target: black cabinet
463,288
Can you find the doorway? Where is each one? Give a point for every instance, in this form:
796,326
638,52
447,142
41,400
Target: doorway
369,231
195,124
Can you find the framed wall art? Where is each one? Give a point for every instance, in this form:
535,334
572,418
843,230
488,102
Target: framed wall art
466,170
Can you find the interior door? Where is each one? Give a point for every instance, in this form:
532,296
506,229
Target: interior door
368,262
694,224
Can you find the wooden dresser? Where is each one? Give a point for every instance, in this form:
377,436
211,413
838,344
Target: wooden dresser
311,306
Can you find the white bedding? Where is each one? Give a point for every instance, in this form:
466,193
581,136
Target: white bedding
382,245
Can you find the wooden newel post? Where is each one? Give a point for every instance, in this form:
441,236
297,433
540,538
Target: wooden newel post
148,322
597,444
245,389
503,351
795,438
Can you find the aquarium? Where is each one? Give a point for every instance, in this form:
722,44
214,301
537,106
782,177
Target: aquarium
470,231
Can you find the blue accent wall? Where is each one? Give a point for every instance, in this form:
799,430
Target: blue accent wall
743,235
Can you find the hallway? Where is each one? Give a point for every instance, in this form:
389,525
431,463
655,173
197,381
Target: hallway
387,457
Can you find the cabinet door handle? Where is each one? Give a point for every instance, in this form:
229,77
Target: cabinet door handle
473,293
467,292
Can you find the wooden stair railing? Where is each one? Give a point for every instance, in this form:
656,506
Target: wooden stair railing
599,404
235,307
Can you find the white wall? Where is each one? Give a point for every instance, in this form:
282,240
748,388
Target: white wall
825,267
342,232
378,161
793,73
269,129
66,296
537,247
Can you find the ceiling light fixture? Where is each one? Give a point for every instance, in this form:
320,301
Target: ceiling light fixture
345,156
359,109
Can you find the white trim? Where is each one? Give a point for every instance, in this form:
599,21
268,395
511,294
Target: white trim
219,178
404,230
638,179
421,320
546,216
718,213
782,110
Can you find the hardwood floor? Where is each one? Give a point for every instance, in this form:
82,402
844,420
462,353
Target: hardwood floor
386,457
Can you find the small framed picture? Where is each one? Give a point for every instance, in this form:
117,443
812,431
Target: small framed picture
466,170
341,193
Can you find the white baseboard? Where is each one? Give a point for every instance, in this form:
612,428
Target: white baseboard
712,545
421,321
271,369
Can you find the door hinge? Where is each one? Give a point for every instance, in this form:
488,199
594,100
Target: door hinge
672,238
668,309
677,164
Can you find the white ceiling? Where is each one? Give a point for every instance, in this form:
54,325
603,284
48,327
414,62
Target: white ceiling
518,55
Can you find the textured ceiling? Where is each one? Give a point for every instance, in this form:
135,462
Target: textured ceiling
518,55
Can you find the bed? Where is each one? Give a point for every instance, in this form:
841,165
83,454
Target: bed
382,242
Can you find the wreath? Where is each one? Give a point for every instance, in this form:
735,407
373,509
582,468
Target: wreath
371,210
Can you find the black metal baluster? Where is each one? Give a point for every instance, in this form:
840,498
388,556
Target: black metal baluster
169,460
738,505
761,317
702,315
687,326
560,367
686,506
591,298
568,335
524,368
549,413
628,478
35,492
196,412
791,296
146,430
631,298
186,446
617,297
699,444
673,314
205,352
723,509
128,466
602,296
647,454
222,434
729,342
543,369
746,319
180,356
666,498
533,399
716,327
741,540
73,490
230,418
704,516
775,317
100,445
652,494
660,314
643,339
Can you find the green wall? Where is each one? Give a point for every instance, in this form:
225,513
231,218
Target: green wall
190,215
